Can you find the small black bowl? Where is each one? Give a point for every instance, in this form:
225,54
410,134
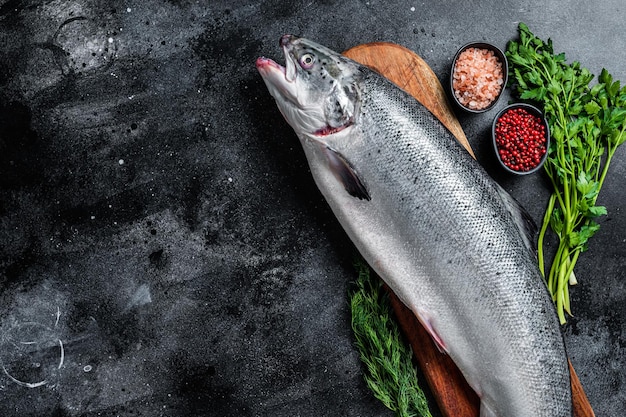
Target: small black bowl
534,111
505,72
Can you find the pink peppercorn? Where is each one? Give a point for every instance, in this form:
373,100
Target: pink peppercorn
520,139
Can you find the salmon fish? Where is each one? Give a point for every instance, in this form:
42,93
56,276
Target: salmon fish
449,241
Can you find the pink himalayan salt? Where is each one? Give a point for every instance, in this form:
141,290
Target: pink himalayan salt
477,78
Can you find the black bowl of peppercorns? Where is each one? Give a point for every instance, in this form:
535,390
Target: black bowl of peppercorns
521,138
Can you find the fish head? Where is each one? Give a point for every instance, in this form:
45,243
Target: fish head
317,90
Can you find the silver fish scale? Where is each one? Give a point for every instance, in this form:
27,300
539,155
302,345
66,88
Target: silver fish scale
477,277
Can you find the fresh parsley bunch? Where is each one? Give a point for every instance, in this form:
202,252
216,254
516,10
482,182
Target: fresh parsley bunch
587,124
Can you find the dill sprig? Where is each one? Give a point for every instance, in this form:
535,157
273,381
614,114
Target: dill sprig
389,370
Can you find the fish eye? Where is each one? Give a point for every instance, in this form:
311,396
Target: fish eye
307,61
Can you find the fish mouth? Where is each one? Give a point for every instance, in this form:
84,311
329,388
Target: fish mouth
270,68
280,79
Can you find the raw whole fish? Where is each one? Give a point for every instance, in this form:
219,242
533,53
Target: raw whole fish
447,239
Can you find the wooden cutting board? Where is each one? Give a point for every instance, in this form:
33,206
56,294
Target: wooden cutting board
454,396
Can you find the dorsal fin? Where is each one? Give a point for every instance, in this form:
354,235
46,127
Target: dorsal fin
523,220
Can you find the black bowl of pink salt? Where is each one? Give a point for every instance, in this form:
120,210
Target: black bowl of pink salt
478,76
521,138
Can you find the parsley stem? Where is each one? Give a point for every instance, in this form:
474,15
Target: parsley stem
609,156
542,233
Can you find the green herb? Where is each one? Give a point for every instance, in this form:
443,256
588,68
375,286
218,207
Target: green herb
587,125
389,370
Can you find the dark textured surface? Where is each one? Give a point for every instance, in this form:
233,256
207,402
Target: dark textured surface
163,249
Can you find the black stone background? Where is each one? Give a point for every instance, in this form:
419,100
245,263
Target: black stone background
158,221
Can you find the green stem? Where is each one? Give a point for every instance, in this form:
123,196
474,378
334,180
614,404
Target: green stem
561,285
542,233
553,275
605,170
572,264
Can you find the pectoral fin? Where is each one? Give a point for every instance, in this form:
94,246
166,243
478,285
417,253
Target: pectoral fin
346,174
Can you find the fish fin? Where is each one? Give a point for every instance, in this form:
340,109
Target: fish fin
437,339
523,220
346,174
485,411
426,322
